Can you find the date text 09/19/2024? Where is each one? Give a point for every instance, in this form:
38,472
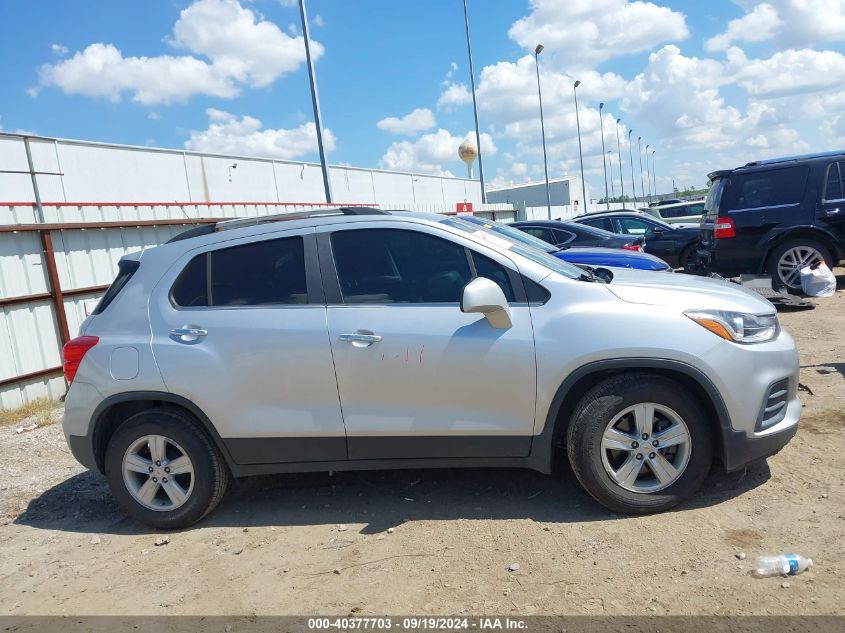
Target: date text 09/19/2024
417,623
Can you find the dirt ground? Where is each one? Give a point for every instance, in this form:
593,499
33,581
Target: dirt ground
442,542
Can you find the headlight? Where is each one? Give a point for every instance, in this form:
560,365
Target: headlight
737,326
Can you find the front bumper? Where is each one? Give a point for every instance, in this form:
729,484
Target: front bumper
741,450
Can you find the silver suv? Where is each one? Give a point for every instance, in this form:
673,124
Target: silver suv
361,339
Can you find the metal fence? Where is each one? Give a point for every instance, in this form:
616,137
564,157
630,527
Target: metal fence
57,258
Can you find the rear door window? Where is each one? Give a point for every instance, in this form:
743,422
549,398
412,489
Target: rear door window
541,233
271,272
764,188
563,237
600,223
833,189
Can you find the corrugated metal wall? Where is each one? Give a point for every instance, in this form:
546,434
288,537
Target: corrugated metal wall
113,184
80,171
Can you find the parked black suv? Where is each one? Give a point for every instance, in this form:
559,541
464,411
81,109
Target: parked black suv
775,216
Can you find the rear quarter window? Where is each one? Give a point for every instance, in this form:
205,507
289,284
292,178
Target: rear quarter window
126,268
764,188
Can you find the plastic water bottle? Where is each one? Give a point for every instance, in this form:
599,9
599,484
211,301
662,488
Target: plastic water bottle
783,565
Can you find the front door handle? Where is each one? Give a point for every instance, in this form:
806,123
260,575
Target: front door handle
831,213
360,339
188,333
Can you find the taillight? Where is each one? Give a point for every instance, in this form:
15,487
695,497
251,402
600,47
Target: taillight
724,228
74,351
633,247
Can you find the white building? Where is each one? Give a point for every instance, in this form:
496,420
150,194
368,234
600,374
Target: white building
564,192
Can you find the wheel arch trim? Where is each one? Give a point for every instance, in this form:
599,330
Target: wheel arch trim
544,444
820,234
98,419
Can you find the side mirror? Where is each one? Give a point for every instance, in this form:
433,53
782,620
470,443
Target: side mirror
484,296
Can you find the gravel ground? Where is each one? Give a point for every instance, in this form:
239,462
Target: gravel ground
442,542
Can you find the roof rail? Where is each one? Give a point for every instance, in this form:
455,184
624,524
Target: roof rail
788,159
238,223
282,217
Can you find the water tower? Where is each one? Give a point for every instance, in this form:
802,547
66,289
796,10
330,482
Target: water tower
468,152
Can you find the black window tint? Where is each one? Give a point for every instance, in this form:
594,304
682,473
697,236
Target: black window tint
399,266
261,273
543,234
634,226
764,188
126,269
486,267
562,237
833,188
536,294
600,223
190,289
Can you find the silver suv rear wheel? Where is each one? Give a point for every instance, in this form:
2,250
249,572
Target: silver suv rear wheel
163,468
158,473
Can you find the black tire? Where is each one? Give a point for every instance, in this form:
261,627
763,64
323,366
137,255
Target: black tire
211,475
596,410
778,252
683,258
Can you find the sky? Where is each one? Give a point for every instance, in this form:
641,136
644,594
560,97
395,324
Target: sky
706,84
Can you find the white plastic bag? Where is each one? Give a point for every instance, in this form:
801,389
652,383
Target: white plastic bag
818,281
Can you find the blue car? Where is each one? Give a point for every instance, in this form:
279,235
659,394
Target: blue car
583,255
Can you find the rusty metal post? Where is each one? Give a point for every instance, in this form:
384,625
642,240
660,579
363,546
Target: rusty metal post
55,287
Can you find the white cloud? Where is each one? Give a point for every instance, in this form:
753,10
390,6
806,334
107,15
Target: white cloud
593,31
59,50
413,122
228,134
454,95
432,153
242,49
154,116
789,23
789,72
318,20
757,25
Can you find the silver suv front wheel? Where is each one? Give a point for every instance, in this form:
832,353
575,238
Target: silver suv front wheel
640,443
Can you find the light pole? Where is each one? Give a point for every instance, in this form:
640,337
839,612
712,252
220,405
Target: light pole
580,154
653,176
631,160
315,101
619,156
537,51
474,107
603,156
640,154
648,173
612,187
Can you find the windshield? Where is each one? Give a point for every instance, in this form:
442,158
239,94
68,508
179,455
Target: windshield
509,231
594,231
539,255
711,203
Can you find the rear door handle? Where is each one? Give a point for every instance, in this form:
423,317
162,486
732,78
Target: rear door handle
369,339
188,333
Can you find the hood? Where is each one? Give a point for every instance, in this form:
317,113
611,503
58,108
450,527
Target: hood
615,257
686,292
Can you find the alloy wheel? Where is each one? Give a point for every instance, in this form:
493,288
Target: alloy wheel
158,473
646,447
793,260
